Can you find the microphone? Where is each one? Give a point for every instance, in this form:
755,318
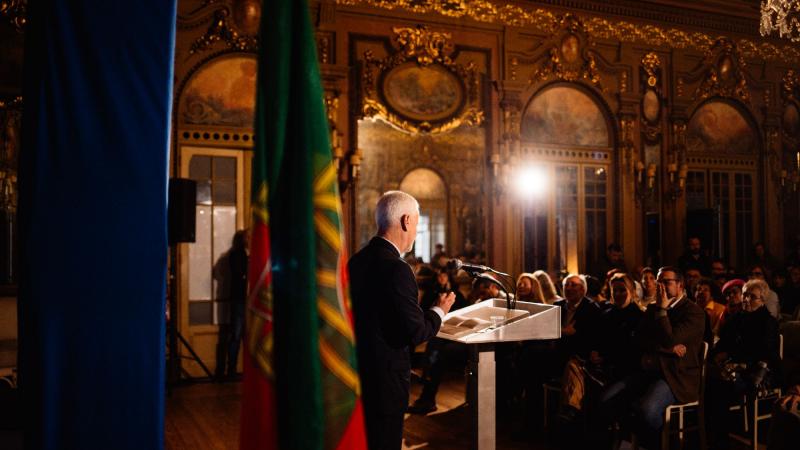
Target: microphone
457,264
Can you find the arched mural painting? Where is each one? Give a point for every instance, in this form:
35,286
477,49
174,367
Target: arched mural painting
565,116
718,127
221,93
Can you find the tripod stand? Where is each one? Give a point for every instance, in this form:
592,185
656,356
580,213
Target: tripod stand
174,368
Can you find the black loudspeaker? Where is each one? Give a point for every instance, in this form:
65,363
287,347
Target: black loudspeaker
702,223
181,210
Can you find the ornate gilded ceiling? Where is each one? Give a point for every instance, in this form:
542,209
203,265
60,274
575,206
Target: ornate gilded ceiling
546,19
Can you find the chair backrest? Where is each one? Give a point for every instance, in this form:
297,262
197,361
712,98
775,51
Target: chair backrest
703,373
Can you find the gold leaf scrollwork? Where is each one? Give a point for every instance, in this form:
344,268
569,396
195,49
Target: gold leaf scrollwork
725,76
510,14
16,11
789,86
651,64
424,48
222,30
569,59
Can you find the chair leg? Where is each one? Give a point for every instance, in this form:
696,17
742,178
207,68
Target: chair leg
665,430
680,428
701,422
544,406
744,416
755,423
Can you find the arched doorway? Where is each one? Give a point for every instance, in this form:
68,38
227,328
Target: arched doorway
430,190
214,120
566,135
722,182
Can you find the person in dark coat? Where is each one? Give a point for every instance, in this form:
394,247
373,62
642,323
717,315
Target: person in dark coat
388,319
671,339
694,258
745,360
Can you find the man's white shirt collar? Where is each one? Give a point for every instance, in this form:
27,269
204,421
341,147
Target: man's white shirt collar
395,247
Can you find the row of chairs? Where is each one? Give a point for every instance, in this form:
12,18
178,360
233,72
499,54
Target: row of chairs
680,411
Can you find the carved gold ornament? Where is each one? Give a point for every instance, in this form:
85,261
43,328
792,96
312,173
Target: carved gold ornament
236,25
16,12
419,88
651,64
568,58
780,16
651,100
546,21
725,75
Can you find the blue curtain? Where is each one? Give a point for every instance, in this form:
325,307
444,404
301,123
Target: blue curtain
92,214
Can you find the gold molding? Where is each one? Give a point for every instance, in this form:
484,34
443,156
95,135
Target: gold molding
651,64
725,73
424,48
16,12
546,21
221,29
569,58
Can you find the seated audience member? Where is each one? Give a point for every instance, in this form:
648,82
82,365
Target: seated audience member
594,291
718,268
732,291
771,300
670,336
788,294
720,281
481,290
706,295
528,289
612,260
694,258
762,257
548,288
648,288
442,284
618,330
579,320
743,361
691,277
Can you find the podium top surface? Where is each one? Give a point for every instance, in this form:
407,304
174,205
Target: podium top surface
490,321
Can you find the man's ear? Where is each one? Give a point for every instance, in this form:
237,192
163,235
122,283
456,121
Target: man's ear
403,220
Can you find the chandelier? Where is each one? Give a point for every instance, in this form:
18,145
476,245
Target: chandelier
781,16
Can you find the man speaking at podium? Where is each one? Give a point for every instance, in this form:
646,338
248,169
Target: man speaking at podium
388,319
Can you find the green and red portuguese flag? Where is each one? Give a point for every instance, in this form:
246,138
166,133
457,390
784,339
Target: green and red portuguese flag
301,387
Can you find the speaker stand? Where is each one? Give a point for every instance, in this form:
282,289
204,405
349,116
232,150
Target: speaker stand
175,373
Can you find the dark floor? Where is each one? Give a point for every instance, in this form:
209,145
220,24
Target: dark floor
204,416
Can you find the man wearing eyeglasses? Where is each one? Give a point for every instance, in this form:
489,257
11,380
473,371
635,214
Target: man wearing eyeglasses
746,357
671,335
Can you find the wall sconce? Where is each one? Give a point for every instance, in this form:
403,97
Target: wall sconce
645,180
355,165
494,160
789,181
336,149
8,188
677,179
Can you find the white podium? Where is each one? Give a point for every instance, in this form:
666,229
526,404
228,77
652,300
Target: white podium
528,321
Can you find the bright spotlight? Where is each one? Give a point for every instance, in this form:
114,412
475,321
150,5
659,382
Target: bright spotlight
531,181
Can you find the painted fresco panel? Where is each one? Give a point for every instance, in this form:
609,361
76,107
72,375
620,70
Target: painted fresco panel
222,93
718,127
565,116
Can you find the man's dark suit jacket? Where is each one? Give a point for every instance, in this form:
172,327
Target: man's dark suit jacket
683,324
587,321
388,322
